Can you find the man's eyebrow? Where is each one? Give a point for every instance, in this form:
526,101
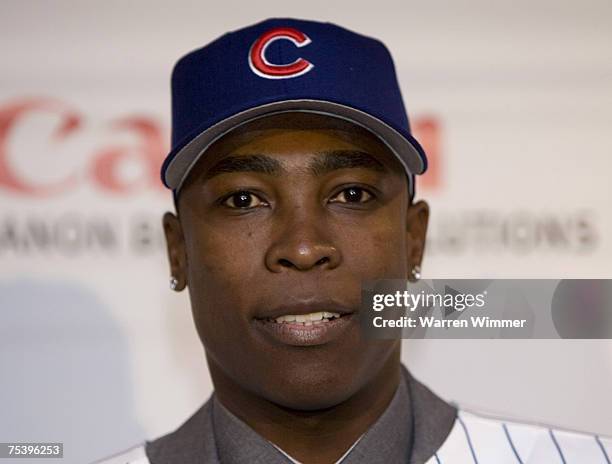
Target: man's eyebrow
245,163
323,163
342,159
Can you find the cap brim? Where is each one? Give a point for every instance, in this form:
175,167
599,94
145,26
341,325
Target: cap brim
405,147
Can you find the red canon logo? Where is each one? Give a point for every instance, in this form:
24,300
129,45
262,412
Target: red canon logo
102,166
263,68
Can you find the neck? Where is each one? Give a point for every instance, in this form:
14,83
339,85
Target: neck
312,437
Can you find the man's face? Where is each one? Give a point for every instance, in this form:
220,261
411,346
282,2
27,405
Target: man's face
280,223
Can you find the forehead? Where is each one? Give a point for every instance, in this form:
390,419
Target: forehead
298,134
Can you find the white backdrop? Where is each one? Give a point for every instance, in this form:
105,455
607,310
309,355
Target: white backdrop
513,101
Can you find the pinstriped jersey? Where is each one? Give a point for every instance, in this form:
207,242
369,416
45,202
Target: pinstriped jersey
478,439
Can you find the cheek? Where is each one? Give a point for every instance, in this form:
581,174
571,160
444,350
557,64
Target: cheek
224,256
377,248
223,268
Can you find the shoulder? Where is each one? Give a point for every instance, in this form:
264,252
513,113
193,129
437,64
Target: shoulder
477,437
134,455
192,442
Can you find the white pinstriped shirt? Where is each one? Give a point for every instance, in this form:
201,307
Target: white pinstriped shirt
478,439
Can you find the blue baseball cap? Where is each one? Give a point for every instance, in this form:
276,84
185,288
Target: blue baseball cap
285,65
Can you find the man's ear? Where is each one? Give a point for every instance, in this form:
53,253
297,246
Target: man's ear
416,231
177,256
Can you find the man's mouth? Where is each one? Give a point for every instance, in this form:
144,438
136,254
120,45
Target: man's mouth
304,326
321,317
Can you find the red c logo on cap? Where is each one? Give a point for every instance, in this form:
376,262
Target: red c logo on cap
263,68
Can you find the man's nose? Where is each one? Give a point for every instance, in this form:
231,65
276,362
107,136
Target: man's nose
303,245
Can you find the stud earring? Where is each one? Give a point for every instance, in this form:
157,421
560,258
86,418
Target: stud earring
416,273
173,283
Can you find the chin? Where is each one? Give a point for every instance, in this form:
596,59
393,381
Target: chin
310,389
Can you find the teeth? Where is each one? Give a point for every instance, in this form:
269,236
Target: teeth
308,319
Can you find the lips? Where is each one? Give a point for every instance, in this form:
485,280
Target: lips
303,308
305,324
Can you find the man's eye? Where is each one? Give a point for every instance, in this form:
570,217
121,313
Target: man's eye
352,195
243,200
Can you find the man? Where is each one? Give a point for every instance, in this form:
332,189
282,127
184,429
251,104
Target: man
293,170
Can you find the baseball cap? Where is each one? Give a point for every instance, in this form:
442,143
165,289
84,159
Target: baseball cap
286,65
